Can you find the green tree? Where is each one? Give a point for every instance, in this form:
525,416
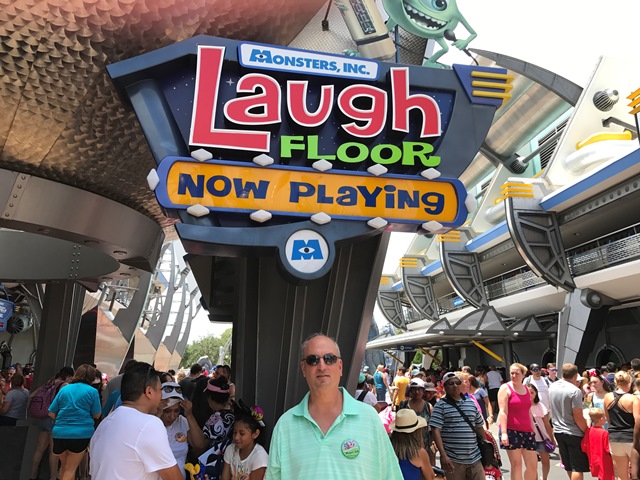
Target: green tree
417,359
209,346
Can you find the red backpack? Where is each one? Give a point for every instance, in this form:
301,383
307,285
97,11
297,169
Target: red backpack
41,399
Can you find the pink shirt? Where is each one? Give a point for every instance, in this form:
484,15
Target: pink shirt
518,414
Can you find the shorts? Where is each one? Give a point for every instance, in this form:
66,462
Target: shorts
493,394
571,454
540,447
380,394
44,424
73,445
525,440
621,449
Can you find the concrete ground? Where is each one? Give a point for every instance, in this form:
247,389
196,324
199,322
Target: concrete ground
556,472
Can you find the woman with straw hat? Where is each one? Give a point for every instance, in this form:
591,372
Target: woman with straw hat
406,438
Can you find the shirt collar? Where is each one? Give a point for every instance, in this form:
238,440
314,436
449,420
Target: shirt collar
349,405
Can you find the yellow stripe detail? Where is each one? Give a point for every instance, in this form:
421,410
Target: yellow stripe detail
482,93
433,357
634,94
635,110
504,76
393,356
600,137
515,190
635,102
384,280
507,87
452,236
485,349
408,262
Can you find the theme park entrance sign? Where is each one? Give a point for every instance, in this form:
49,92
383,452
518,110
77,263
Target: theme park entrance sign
287,141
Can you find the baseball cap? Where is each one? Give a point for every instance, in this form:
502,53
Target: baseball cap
361,378
173,392
429,387
365,369
415,372
416,383
533,366
448,376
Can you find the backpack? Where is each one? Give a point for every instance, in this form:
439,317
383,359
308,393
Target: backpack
41,400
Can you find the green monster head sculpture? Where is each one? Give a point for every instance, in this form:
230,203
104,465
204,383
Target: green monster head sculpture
425,18
428,19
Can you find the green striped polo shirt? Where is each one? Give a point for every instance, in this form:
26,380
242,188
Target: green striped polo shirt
355,447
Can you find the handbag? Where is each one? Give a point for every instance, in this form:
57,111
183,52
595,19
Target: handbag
549,447
486,447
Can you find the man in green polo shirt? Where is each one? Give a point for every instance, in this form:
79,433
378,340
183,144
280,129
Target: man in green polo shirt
329,435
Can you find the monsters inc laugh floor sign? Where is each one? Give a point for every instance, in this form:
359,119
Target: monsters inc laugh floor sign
276,140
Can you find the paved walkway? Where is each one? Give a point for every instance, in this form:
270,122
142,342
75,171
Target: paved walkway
556,472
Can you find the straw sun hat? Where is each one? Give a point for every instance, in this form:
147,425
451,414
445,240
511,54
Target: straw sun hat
407,421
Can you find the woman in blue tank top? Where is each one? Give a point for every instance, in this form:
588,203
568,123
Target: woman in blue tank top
406,438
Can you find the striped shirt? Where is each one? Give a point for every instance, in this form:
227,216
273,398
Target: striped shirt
459,440
355,447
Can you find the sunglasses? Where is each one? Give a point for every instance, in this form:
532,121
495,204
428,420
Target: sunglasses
535,370
452,383
328,358
171,388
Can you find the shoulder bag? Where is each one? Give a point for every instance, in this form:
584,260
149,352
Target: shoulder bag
548,444
485,446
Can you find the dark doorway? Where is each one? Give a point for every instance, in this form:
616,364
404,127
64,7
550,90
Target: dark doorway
548,357
608,354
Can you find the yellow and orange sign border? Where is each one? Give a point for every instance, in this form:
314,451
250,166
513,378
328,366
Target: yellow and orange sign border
243,187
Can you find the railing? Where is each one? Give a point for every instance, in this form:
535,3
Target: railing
613,249
605,253
511,283
450,303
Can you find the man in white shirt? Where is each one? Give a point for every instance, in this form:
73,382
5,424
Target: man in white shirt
494,379
541,383
363,393
132,443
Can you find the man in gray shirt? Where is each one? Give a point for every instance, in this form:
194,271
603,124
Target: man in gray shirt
569,424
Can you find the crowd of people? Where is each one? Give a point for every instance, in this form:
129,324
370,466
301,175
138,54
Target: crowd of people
155,425
592,419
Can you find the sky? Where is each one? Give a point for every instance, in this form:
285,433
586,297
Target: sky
566,37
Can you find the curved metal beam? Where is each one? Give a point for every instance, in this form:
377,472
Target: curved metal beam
565,89
462,269
28,257
419,289
36,205
536,235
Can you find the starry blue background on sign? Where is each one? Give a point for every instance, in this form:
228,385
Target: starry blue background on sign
179,90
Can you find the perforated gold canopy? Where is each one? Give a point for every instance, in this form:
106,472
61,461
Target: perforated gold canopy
60,117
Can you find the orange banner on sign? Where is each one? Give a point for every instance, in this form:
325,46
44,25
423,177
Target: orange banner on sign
299,191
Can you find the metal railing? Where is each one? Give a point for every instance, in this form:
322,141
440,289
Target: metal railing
614,249
604,253
450,303
510,283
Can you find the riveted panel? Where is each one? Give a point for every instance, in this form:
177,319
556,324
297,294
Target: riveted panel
536,235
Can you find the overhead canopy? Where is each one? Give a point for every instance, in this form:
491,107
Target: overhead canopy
484,325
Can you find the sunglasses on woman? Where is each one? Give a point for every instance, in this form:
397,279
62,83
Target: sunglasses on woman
328,358
171,388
